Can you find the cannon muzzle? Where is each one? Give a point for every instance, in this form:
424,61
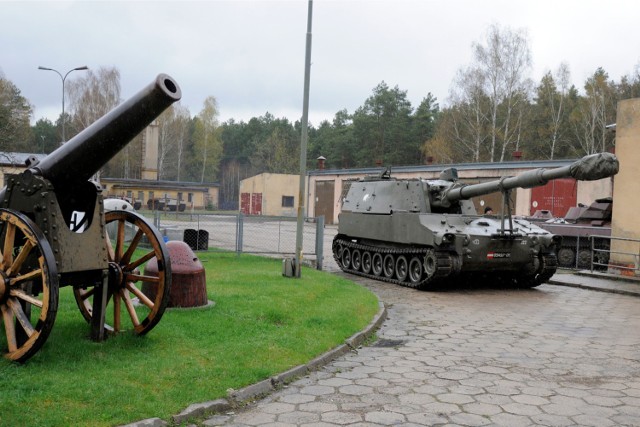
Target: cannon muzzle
589,168
82,156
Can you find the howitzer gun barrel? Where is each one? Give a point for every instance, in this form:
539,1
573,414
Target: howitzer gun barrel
589,168
82,156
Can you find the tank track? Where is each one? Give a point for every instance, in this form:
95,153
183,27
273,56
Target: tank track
446,264
549,267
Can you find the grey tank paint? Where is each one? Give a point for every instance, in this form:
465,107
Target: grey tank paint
426,233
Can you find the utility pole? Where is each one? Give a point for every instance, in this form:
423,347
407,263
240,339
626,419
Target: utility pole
303,144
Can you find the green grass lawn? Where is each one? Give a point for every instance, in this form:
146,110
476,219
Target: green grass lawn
261,324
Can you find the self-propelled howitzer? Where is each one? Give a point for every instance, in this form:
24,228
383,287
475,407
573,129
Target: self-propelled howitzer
422,233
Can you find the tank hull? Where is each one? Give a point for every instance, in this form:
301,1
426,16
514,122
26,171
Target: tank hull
445,248
426,233
586,232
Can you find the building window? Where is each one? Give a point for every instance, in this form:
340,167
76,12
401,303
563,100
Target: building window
287,201
179,196
150,195
129,194
141,196
189,197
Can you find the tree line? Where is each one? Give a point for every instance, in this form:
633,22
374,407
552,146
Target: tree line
494,109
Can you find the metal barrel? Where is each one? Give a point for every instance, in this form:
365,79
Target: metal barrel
589,168
82,156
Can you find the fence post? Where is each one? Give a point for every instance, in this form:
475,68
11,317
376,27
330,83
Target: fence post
593,247
198,233
239,233
319,241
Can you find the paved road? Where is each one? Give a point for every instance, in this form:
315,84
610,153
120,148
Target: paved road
553,356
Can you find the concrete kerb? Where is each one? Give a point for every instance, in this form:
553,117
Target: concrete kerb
236,398
601,282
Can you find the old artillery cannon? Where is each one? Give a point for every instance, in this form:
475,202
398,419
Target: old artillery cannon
424,233
54,233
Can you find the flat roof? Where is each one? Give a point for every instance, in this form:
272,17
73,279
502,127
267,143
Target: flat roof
516,164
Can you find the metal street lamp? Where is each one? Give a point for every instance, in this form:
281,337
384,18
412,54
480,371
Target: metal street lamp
84,67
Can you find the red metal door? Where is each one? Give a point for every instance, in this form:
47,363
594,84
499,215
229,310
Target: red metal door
245,203
325,191
256,203
556,196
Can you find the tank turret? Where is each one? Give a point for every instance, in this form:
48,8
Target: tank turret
421,233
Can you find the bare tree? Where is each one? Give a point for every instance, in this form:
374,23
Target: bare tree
553,91
173,129
93,95
468,116
595,111
504,61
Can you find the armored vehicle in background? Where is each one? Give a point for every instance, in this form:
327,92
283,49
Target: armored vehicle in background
424,233
585,232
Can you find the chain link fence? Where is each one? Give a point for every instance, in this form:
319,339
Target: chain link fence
255,234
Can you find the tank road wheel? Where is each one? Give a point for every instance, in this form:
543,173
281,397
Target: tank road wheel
376,264
345,258
366,262
567,257
131,242
402,268
28,286
415,271
356,259
430,263
388,266
584,258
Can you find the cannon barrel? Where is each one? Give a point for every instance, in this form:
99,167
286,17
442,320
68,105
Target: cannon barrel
82,156
589,168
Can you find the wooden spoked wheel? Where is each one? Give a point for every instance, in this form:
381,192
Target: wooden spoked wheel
131,242
28,286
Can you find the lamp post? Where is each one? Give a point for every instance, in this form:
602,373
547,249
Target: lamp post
84,67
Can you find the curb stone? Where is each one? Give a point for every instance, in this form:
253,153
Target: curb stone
591,288
199,409
238,397
149,422
602,284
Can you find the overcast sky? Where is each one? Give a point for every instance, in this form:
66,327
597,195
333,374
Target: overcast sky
250,54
